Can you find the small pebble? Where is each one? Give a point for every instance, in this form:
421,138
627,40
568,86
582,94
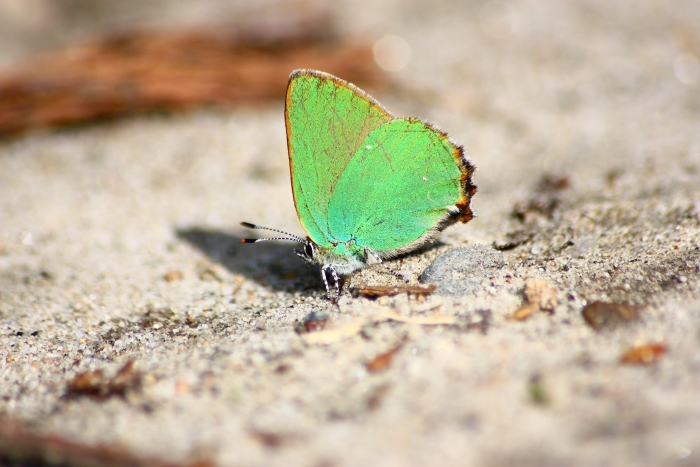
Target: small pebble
460,271
602,315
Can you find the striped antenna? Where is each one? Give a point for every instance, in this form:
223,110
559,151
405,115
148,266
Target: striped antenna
291,237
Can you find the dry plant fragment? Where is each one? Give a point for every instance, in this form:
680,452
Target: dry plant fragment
539,296
381,291
644,354
537,391
172,276
23,448
602,315
210,275
382,361
351,329
336,334
95,384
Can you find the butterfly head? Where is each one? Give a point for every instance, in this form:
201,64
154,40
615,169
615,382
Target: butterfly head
309,253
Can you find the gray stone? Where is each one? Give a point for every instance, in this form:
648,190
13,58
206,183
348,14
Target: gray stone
460,271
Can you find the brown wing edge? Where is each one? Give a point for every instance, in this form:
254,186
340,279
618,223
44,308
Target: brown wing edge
327,76
463,212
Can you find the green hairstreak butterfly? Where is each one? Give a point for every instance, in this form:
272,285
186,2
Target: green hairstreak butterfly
367,186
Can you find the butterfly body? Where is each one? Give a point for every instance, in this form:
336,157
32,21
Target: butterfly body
367,186
338,260
344,257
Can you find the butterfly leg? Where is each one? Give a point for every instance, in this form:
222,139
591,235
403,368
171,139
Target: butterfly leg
325,281
325,270
336,280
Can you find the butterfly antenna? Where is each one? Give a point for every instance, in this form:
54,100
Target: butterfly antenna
289,237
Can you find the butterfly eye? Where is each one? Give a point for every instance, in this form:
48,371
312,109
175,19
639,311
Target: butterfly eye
309,250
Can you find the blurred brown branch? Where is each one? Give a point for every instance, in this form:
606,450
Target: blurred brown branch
141,71
21,448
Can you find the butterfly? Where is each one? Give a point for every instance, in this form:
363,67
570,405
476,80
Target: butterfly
367,186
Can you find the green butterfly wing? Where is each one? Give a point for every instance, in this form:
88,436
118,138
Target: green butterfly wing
327,119
406,182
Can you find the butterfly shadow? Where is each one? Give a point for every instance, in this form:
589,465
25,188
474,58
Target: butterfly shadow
272,264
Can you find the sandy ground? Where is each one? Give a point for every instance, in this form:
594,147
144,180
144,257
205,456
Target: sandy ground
604,94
